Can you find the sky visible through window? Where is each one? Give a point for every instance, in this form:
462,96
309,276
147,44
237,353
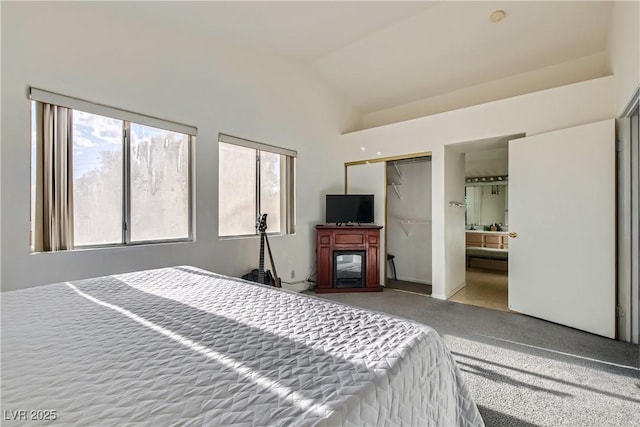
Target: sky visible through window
97,179
94,134
159,181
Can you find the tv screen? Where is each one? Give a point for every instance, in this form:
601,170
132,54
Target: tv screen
344,208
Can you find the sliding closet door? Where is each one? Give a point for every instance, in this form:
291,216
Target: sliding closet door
370,178
562,225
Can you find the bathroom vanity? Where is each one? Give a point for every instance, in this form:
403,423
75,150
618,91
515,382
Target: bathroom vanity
487,239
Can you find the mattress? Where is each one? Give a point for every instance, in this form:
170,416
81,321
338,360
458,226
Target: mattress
184,346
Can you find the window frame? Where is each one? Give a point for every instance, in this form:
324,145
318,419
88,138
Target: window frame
126,194
288,197
128,118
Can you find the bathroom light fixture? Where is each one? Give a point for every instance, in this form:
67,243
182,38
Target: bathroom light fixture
487,179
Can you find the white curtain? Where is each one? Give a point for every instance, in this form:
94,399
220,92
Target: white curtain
54,200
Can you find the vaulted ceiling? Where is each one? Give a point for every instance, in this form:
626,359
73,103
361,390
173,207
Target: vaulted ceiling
383,54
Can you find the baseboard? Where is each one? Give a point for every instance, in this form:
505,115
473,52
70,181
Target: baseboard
411,279
296,286
453,292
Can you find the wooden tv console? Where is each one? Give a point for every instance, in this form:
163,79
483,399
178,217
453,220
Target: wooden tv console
330,238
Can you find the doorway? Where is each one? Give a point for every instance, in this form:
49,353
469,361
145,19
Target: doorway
408,232
486,168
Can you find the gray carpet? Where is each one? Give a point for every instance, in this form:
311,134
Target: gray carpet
524,371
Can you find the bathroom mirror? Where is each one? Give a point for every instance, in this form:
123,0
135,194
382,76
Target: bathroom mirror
487,204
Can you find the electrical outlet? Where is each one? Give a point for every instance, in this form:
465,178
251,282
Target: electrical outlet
293,274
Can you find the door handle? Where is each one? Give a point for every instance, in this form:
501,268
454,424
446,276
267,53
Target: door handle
513,234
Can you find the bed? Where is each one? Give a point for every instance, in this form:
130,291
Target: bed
184,346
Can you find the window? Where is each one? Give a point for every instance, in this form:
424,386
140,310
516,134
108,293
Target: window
253,179
103,176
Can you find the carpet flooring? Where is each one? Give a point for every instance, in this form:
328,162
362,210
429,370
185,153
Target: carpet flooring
524,371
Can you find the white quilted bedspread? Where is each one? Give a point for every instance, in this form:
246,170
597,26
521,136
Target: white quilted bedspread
183,346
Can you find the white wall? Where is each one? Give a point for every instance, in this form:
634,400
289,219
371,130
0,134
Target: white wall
409,222
454,230
532,114
487,162
624,50
81,50
581,69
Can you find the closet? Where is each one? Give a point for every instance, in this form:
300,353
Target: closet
409,238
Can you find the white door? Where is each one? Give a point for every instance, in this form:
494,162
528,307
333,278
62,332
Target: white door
370,178
562,207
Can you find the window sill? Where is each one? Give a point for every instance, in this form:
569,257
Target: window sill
116,246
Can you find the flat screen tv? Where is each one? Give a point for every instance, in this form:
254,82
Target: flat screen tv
349,208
